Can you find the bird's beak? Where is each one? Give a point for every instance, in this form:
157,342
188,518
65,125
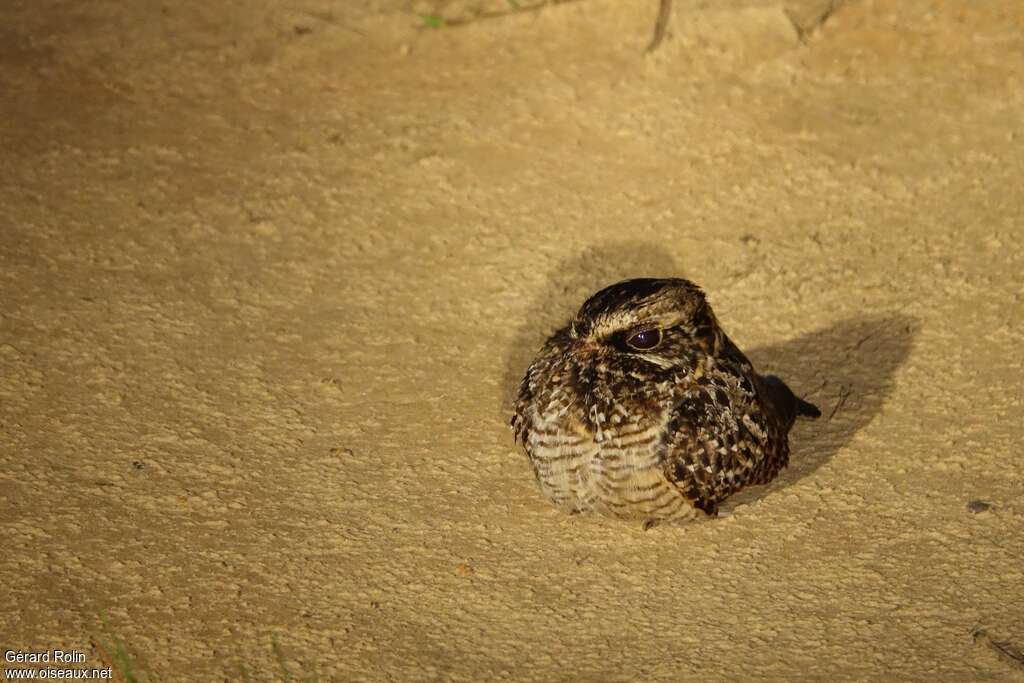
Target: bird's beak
585,346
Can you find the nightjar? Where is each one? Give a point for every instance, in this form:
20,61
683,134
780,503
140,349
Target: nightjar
642,408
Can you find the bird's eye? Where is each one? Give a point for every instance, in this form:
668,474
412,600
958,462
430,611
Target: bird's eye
645,340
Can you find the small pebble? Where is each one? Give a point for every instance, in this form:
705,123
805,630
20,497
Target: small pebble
977,506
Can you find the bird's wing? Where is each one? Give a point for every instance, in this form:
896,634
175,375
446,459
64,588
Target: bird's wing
719,440
522,414
521,410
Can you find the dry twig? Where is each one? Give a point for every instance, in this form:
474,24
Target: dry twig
844,393
1005,651
660,25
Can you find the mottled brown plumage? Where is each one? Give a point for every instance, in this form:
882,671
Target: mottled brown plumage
642,408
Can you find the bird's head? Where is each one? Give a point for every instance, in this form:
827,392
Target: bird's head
665,322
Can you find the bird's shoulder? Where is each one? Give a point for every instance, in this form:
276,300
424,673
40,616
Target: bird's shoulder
535,383
718,436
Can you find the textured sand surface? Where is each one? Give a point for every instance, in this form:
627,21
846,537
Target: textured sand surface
269,272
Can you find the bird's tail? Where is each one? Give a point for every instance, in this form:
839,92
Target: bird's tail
788,405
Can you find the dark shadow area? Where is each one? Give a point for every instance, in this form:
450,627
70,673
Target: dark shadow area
846,369
568,286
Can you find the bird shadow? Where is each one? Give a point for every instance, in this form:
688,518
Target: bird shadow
847,369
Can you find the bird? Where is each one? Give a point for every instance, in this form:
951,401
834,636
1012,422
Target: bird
642,408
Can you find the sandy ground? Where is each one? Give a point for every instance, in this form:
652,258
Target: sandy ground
269,272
